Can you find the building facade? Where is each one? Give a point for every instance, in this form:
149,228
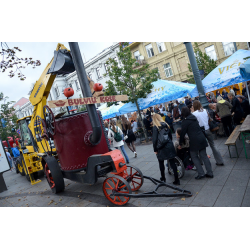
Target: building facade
95,69
171,58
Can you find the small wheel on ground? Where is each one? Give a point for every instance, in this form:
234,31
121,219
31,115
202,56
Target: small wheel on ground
180,167
116,184
134,177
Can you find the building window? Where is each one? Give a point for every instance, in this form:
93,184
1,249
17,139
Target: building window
137,55
90,75
161,46
158,73
150,51
210,51
228,48
57,91
98,72
248,44
106,67
167,69
77,84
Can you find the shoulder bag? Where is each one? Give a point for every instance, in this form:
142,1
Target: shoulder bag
163,138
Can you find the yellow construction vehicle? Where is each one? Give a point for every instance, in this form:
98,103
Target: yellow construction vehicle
32,147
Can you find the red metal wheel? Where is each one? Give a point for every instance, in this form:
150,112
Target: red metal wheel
116,184
134,177
49,176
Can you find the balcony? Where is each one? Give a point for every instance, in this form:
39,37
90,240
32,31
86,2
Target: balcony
140,61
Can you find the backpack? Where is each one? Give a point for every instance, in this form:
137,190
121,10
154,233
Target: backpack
163,138
117,136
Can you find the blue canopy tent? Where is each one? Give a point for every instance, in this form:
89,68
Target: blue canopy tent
245,73
163,91
112,111
226,74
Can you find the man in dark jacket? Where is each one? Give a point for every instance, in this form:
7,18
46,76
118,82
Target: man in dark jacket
198,143
169,121
245,106
236,110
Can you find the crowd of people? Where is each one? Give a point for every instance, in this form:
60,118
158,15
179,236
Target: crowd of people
199,128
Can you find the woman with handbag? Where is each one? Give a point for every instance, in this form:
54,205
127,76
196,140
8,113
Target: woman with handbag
203,119
115,134
130,138
164,147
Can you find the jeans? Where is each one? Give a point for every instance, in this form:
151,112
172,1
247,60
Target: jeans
197,161
217,155
124,153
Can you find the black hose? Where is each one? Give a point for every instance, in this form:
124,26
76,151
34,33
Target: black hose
84,83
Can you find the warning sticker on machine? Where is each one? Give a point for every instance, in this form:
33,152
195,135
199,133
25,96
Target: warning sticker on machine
87,100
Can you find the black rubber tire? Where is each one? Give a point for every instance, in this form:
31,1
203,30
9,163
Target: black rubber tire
56,174
19,162
180,168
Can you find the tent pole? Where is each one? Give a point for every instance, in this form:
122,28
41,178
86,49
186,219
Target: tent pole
247,92
196,72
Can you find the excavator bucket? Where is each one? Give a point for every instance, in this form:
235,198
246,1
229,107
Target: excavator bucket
62,63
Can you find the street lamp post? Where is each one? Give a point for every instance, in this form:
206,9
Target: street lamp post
235,47
196,72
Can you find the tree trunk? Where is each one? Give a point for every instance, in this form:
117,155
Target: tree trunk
142,123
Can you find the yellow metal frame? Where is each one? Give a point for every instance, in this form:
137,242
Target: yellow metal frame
38,98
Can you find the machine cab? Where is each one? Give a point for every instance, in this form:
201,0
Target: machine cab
27,140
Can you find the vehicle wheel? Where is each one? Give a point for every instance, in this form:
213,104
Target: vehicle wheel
53,175
180,167
116,184
20,167
134,177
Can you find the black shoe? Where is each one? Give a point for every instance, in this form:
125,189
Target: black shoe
177,182
198,177
163,179
222,164
209,176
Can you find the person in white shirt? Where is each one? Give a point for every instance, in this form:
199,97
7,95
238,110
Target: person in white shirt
134,126
202,117
116,144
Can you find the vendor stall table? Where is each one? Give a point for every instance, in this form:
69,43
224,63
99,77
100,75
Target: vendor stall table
245,132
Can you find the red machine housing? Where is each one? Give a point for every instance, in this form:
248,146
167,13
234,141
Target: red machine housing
10,142
71,141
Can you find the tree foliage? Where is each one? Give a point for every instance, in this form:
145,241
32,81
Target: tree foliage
132,78
204,62
12,63
9,118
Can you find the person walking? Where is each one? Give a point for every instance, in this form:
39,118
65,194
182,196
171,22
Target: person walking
167,151
202,117
130,138
116,134
197,142
236,110
223,108
9,158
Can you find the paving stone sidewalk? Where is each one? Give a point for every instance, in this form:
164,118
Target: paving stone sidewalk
230,186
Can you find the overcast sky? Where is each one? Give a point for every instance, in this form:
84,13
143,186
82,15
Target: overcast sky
15,89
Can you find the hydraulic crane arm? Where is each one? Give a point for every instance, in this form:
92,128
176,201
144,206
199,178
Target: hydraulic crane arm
60,63
43,85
